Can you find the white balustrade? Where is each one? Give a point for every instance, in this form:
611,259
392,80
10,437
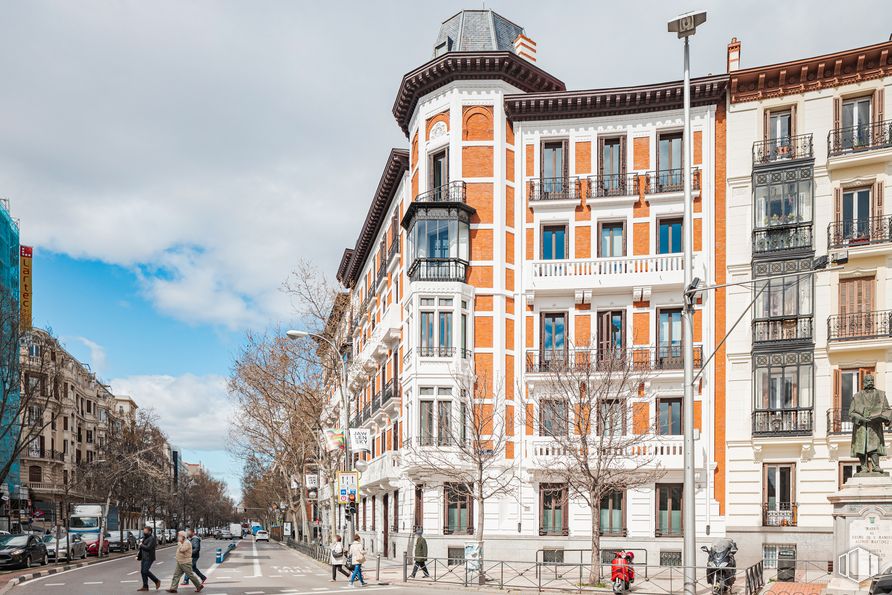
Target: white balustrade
593,267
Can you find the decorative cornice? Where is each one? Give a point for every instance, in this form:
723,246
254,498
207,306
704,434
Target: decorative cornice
811,74
506,66
620,100
397,165
345,262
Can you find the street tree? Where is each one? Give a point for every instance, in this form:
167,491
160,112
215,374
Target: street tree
590,409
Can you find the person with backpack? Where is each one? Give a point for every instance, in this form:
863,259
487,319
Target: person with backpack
337,557
357,558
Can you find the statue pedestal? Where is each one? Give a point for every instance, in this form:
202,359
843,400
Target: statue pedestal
862,533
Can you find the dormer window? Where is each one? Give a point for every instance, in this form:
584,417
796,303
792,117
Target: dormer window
441,48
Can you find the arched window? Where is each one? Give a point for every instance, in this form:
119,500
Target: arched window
35,474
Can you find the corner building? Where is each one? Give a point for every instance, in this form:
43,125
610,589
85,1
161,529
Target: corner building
527,220
809,160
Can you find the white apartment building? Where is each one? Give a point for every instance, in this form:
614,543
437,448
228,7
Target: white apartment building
809,153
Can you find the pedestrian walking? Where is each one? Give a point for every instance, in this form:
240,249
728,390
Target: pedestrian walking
420,555
146,557
357,558
337,557
196,552
184,564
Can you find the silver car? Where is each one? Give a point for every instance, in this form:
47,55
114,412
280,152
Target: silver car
71,547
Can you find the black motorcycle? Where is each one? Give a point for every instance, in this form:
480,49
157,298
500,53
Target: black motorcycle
721,566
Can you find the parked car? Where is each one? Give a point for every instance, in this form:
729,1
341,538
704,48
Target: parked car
22,551
131,539
71,547
92,541
261,535
882,583
218,534
225,534
171,535
116,544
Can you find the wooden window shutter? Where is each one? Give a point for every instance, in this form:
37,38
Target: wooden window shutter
837,205
622,155
766,115
878,107
565,150
837,112
640,417
565,513
793,120
600,157
878,199
837,394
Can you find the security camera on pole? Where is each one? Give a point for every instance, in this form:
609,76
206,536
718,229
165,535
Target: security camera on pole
685,26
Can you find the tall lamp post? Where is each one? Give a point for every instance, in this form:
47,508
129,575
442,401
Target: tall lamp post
345,402
685,26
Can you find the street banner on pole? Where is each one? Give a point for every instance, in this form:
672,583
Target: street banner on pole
348,485
334,438
360,439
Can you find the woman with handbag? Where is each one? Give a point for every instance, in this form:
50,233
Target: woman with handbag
337,558
357,557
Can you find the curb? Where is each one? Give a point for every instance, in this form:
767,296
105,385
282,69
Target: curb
57,569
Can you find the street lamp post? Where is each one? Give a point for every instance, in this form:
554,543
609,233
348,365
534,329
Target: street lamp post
685,26
345,405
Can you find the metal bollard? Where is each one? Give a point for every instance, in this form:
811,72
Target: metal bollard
405,566
378,569
219,555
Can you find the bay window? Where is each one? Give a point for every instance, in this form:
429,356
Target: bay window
783,397
438,245
782,210
783,309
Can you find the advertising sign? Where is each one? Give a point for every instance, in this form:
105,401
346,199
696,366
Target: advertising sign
312,481
287,529
334,438
360,439
348,485
25,287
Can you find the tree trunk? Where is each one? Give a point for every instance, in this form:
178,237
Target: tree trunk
103,524
594,575
333,513
480,516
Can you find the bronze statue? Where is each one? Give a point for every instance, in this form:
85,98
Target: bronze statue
869,412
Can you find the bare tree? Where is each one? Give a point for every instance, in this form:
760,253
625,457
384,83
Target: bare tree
467,446
31,365
584,399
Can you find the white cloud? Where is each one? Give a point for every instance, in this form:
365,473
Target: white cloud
194,411
97,354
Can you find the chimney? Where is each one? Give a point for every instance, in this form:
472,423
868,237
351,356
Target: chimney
733,55
525,47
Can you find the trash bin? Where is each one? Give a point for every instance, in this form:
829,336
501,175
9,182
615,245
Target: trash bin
786,565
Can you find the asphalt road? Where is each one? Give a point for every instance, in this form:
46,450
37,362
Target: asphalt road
251,569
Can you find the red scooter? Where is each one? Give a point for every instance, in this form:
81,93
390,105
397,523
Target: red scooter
622,573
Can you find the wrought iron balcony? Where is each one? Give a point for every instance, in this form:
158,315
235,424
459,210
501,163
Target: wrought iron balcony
793,421
438,269
856,139
613,185
554,189
781,514
838,422
797,236
859,232
782,149
394,248
663,357
382,272
670,180
787,328
451,192
859,325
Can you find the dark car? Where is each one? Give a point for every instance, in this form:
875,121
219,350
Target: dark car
116,544
92,541
21,551
882,583
71,547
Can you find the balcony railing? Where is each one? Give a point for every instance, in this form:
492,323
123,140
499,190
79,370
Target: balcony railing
785,148
859,232
44,453
554,189
783,237
791,328
394,248
436,351
438,269
668,357
451,192
670,180
781,514
838,421
382,272
794,421
668,532
620,265
860,325
613,185
855,139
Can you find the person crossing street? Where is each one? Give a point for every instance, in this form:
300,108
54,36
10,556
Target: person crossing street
184,564
146,557
357,557
195,540
336,558
420,555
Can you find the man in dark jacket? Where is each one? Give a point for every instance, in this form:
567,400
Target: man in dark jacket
196,552
146,556
420,555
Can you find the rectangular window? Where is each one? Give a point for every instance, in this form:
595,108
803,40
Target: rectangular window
426,341
612,162
464,335
780,125
396,510
444,332
783,297
668,522
770,553
364,510
552,417
856,114
669,332
439,174
778,495
669,238
426,431
669,162
612,511
856,214
553,509
783,387
553,337
374,511
612,417
459,516
611,332
612,241
444,423
554,167
669,416
554,242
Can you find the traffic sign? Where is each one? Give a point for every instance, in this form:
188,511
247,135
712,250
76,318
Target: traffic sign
348,486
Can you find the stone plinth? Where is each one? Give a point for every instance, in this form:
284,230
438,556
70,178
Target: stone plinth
862,533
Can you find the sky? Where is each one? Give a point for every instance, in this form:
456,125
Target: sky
171,161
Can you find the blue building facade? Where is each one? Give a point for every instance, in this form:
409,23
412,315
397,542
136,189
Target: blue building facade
9,286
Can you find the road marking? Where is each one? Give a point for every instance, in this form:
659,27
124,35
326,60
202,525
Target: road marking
253,592
132,573
93,583
54,584
257,571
